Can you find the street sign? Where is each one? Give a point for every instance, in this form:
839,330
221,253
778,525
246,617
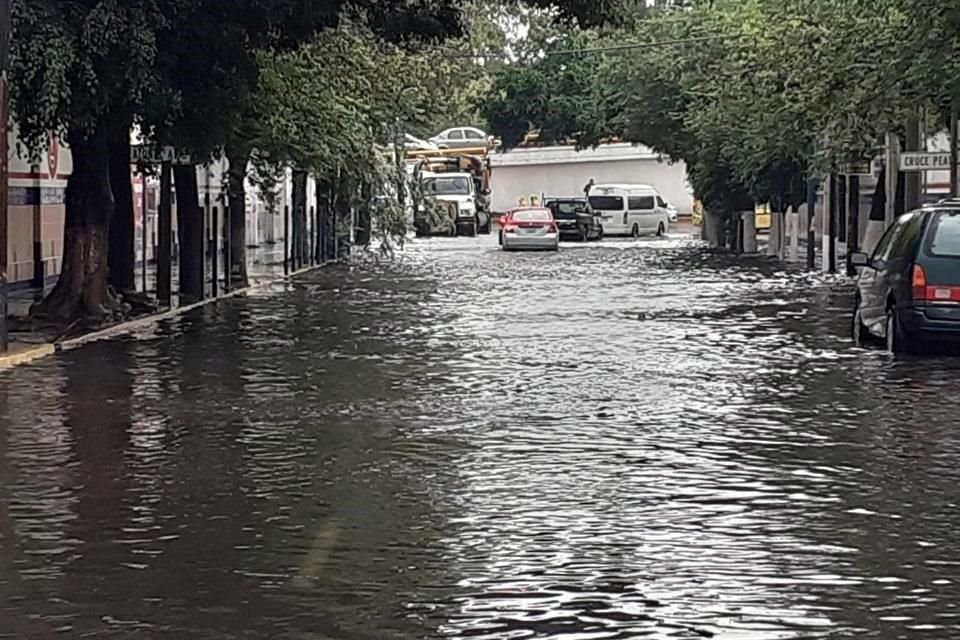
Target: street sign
924,161
153,154
857,168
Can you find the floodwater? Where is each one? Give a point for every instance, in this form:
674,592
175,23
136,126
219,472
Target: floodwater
632,439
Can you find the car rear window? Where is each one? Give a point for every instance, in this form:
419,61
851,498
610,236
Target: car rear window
606,203
533,215
943,241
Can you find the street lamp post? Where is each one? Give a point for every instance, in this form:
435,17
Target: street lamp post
5,34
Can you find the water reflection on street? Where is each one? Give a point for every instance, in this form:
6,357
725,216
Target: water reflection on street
633,439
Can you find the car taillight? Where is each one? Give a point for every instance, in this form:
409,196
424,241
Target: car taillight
552,227
919,283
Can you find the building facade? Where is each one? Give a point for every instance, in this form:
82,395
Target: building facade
36,211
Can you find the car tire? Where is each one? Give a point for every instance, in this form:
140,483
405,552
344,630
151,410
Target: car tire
858,331
635,232
895,339
661,230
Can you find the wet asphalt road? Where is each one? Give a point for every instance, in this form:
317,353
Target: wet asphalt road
632,439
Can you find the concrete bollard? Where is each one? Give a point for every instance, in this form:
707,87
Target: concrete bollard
712,228
775,244
793,230
749,226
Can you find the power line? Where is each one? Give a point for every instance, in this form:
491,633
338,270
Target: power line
604,49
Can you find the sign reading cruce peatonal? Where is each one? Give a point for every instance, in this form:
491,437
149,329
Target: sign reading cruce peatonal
149,154
924,161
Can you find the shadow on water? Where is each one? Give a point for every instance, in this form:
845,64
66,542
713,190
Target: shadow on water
627,439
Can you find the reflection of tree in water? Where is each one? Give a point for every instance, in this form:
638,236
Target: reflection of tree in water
37,499
97,398
346,521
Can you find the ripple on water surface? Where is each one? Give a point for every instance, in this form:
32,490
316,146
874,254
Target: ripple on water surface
633,439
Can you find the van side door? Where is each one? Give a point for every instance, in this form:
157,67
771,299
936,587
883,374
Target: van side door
643,212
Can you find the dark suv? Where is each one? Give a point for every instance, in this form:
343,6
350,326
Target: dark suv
908,291
574,218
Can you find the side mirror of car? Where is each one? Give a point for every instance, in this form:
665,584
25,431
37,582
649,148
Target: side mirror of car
859,260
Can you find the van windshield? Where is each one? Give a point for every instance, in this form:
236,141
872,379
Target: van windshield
606,203
943,241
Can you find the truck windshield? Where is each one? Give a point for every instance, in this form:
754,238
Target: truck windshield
453,186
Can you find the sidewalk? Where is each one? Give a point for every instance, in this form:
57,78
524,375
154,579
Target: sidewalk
264,265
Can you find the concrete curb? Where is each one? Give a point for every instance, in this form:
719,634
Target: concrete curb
32,354
25,355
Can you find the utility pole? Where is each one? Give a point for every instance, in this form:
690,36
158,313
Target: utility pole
954,116
893,171
913,179
829,226
811,222
165,235
6,28
853,220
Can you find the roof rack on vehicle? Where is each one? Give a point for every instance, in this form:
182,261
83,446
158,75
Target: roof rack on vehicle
948,202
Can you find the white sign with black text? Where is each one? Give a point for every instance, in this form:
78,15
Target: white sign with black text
924,161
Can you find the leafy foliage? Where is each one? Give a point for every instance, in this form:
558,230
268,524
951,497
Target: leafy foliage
751,94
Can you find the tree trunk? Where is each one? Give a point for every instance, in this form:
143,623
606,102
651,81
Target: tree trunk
190,233
324,214
342,201
299,218
238,156
81,291
122,252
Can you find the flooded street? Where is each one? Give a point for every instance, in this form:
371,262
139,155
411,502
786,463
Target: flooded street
621,440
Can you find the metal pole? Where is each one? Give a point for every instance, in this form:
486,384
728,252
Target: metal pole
227,267
5,34
317,231
203,241
913,178
954,116
165,233
287,255
853,220
893,169
215,253
830,200
811,223
143,231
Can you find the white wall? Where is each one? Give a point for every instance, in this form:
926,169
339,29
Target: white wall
563,171
511,182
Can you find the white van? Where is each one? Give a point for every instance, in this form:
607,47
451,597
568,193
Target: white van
629,209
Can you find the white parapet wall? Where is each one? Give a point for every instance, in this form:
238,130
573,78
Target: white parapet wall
564,171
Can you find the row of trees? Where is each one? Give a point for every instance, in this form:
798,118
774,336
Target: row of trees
754,95
312,85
